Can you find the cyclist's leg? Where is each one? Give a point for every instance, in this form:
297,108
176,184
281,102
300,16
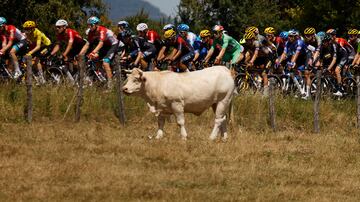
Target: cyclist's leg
185,60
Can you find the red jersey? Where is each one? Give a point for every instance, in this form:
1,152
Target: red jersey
152,36
12,33
103,34
70,35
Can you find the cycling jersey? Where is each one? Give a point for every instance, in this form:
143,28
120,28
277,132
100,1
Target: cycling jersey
139,44
345,45
292,47
2,38
38,38
333,50
70,35
256,46
227,42
355,44
103,34
13,34
180,44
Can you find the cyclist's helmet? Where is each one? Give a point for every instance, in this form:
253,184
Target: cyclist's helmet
29,25
251,29
93,20
353,32
269,30
123,24
183,28
205,33
61,22
2,21
126,33
309,31
293,32
327,38
142,27
169,34
249,35
169,26
331,32
218,28
321,35
284,34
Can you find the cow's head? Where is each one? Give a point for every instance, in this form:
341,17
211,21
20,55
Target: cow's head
134,82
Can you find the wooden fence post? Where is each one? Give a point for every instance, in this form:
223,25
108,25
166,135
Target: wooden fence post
317,102
121,109
29,103
358,99
79,100
272,111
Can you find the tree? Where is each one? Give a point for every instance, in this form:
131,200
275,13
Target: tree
46,12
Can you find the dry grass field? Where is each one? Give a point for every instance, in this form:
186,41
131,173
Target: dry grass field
55,159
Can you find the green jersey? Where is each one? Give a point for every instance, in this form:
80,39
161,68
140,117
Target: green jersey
227,42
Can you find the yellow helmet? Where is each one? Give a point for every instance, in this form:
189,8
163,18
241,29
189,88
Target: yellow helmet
29,24
251,29
269,30
309,31
249,35
205,33
353,32
169,34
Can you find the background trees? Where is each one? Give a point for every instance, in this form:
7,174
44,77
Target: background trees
235,15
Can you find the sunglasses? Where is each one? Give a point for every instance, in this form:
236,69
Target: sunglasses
58,27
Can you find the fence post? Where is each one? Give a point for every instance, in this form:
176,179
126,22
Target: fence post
79,100
120,95
272,104
358,99
29,103
317,102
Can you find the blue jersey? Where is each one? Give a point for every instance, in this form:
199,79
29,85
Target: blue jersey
292,47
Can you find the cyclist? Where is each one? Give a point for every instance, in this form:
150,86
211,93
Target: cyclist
141,51
205,46
182,52
104,45
123,25
151,35
76,45
192,39
332,56
167,27
39,44
277,41
258,56
312,43
294,55
355,43
16,43
231,50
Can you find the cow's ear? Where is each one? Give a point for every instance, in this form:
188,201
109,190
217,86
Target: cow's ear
143,79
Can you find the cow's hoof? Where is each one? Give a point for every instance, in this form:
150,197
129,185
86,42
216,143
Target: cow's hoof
159,135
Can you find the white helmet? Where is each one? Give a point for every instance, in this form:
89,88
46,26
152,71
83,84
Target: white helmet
61,22
141,27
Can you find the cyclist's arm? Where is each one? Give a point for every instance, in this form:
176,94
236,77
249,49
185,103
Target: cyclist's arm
55,49
197,54
98,47
10,42
332,64
161,54
221,54
255,55
37,47
4,42
178,53
68,48
209,54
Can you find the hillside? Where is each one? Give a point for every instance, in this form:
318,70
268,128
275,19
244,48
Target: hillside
120,8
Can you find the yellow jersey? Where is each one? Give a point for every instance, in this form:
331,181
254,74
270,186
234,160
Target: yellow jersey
39,38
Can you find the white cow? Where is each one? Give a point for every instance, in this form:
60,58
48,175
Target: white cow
192,92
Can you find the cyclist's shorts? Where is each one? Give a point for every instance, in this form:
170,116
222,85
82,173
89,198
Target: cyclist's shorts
108,52
233,57
20,46
149,54
185,59
341,61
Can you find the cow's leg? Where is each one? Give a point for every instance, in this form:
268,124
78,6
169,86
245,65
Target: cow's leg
223,130
161,123
220,118
178,110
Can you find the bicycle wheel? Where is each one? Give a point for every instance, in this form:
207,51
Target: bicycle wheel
350,87
278,85
54,75
326,90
